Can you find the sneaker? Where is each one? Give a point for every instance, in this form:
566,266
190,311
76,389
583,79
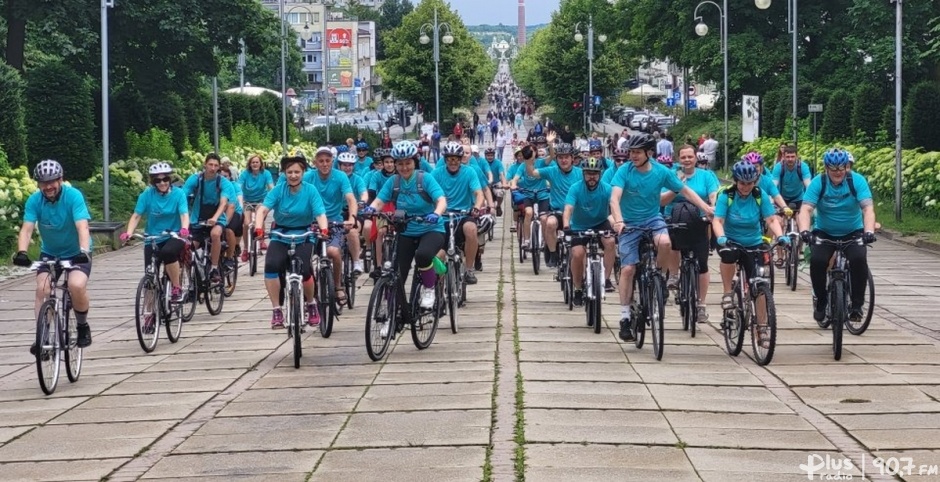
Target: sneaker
512,229
376,273
578,298
626,331
230,263
385,328
702,314
672,283
551,259
609,286
277,319
244,256
470,278
525,244
176,295
357,268
499,210
215,276
313,314
427,298
148,324
478,263
84,335
855,315
819,310
727,302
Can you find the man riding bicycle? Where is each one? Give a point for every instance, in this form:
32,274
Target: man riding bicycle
462,189
844,209
634,202
520,179
587,208
336,192
62,216
211,194
235,212
561,177
364,162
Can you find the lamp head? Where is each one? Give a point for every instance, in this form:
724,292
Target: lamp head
578,37
448,38
762,4
602,38
424,39
701,29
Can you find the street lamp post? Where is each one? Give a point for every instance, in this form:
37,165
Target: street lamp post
590,44
792,28
701,29
447,39
284,100
105,122
897,109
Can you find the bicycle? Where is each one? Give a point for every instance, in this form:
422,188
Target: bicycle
594,277
455,286
207,291
254,245
294,306
792,251
323,277
649,290
498,192
749,297
384,309
535,232
688,294
839,289
563,272
153,306
56,331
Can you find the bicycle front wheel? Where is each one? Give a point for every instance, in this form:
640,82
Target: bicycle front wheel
174,321
536,248
424,322
146,314
657,308
47,352
253,256
327,300
692,298
733,323
349,281
597,287
215,297
838,306
868,308
453,295
380,319
763,325
190,290
295,295
73,354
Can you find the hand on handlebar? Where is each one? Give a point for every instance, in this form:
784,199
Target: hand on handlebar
869,237
806,236
124,237
259,233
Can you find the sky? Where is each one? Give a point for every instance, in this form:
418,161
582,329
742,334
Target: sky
476,12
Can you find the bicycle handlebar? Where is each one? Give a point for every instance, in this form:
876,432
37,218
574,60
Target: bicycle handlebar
842,244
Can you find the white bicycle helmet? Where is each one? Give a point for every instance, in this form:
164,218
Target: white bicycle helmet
47,170
452,149
161,168
404,150
485,223
347,158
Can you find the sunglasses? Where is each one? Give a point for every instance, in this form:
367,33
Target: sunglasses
743,183
161,180
836,169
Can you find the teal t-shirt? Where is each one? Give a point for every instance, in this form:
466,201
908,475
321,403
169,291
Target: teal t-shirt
377,180
496,169
332,190
609,174
590,208
744,219
363,165
413,203
424,165
56,221
358,185
560,182
209,193
458,187
640,198
294,210
766,185
838,213
792,186
162,211
239,209
524,181
703,182
255,186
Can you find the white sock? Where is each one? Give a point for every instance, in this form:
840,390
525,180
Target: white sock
625,312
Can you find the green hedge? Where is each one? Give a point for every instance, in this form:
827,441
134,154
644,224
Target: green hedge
339,134
13,120
169,113
922,116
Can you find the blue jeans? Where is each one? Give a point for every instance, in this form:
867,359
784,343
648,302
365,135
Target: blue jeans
629,243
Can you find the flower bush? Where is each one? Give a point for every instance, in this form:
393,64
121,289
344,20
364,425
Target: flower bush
15,187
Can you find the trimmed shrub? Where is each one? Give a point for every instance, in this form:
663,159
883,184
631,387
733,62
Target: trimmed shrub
13,120
168,112
837,116
226,121
922,116
866,111
241,109
887,121
196,107
768,109
60,119
156,143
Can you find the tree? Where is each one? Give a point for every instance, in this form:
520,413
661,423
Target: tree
392,13
866,110
921,117
837,117
408,71
13,120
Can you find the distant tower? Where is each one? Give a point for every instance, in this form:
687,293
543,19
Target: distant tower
520,33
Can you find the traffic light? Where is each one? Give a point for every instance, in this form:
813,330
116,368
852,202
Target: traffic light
576,105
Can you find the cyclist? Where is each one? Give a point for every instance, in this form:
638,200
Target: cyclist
62,216
587,208
416,194
561,177
376,227
211,194
635,199
235,212
844,209
767,185
695,235
498,173
619,157
739,211
522,179
255,182
347,164
337,194
461,186
596,150
297,207
364,163
792,177
665,160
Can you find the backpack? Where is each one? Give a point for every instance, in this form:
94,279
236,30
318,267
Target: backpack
799,173
686,213
732,190
200,180
419,184
848,179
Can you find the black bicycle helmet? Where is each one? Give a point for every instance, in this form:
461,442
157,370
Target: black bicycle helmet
564,149
641,141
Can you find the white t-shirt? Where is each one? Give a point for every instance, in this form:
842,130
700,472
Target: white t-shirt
710,148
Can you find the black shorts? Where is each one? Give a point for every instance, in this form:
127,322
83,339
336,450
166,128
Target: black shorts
553,213
747,259
168,252
83,267
543,204
794,204
583,240
235,224
459,237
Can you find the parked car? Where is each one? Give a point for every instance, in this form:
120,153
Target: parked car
637,120
625,116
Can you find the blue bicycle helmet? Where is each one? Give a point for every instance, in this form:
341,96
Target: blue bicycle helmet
595,145
836,157
341,149
362,146
744,171
404,150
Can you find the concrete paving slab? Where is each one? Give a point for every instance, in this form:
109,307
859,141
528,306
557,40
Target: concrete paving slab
60,470
740,464
405,352
286,401
119,365
86,441
588,395
425,396
247,434
176,382
811,355
696,374
288,463
214,360
681,354
28,388
576,371
9,433
867,399
412,429
37,411
913,354
420,464
813,375
130,408
746,431
466,334
334,376
717,399
914,374
564,352
597,426
603,463
401,373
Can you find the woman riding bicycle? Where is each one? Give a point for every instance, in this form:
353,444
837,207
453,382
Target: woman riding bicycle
255,182
166,210
739,211
419,241
385,169
297,205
